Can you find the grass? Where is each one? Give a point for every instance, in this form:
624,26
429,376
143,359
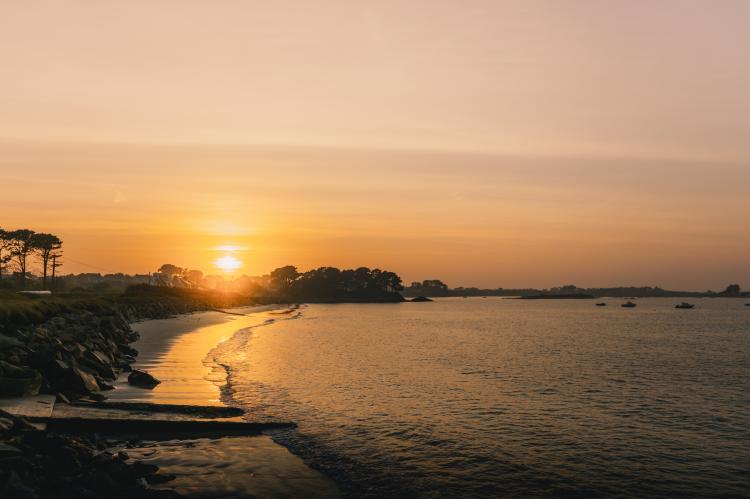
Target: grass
141,300
18,309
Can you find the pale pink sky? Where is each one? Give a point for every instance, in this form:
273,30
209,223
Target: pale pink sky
501,143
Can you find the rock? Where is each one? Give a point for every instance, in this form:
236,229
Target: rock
44,356
15,488
7,450
99,362
142,469
16,422
77,381
18,381
58,321
10,371
6,424
142,379
127,350
8,342
104,386
19,387
159,479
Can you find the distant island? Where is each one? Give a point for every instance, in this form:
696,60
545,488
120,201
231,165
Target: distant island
437,288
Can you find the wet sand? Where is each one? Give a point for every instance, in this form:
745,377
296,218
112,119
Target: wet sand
175,351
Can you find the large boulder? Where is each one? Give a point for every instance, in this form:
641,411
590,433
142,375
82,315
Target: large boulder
142,379
72,380
84,381
99,362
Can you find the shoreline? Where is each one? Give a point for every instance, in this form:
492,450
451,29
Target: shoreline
174,351
178,352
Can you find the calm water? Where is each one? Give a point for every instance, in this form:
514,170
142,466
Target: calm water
492,397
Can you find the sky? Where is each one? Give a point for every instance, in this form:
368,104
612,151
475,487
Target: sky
485,143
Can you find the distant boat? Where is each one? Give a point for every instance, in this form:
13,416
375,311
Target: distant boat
685,305
601,304
747,304
628,304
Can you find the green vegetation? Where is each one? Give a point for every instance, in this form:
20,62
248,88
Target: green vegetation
17,309
181,290
139,301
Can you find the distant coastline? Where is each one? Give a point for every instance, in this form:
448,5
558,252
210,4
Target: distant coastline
436,288
572,296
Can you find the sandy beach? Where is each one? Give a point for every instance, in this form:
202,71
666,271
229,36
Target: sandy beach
175,351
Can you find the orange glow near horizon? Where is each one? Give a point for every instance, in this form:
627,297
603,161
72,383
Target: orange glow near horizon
228,263
499,144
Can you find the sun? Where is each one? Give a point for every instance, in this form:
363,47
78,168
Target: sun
228,263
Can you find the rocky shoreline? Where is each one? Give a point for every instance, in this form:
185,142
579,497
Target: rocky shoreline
76,357
37,464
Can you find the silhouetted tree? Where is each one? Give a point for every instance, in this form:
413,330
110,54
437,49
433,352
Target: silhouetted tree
732,290
283,277
21,246
170,270
45,245
332,284
5,246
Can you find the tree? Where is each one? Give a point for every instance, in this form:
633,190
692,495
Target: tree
168,274
283,277
5,246
392,282
170,270
45,245
194,277
21,246
732,290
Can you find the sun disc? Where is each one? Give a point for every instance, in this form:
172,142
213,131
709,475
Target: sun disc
228,263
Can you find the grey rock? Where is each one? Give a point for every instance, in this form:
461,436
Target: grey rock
142,379
7,450
8,342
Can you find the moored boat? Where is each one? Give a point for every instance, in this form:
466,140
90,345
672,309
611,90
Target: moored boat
685,305
601,304
628,304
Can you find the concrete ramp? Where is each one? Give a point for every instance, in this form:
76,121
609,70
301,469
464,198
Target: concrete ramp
37,407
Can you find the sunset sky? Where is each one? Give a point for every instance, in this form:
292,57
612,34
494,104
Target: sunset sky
486,143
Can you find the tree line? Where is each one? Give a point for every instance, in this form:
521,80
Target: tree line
332,284
18,249
323,284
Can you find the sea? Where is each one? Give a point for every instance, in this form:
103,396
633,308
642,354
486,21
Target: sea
494,397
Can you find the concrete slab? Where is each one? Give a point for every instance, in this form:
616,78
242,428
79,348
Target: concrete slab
40,406
147,412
